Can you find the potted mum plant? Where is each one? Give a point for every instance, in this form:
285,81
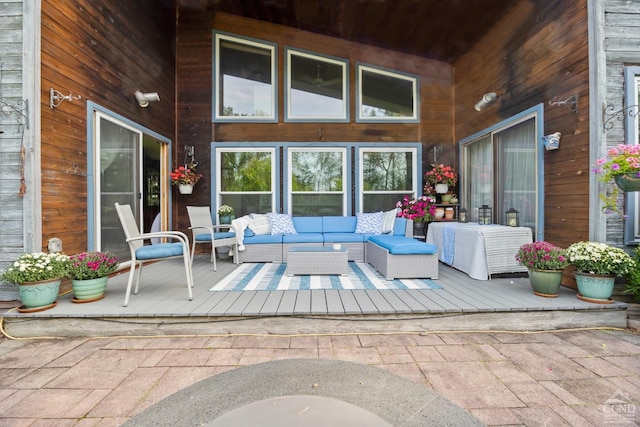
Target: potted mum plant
621,167
89,272
597,266
226,214
38,276
545,262
185,177
420,210
441,177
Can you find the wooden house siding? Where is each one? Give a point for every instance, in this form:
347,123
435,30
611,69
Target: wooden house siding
535,55
11,93
103,51
194,65
621,49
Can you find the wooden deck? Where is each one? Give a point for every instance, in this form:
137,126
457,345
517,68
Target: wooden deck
162,307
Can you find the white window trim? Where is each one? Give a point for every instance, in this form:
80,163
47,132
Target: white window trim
344,116
414,79
261,44
415,181
289,172
632,200
217,166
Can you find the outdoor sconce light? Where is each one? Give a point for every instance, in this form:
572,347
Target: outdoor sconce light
487,99
513,218
463,215
145,98
484,215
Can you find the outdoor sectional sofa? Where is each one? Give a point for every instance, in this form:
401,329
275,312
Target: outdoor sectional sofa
411,257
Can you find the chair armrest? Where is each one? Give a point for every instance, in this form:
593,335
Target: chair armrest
224,227
166,234
201,227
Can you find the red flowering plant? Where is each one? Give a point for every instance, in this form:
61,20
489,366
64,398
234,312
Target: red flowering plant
441,174
419,209
542,256
91,265
185,175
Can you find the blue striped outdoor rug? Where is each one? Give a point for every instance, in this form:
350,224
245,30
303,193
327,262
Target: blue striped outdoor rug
271,277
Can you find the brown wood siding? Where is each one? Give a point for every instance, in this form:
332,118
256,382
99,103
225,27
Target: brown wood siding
194,59
537,54
103,51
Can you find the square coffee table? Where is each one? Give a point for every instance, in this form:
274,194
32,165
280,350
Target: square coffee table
317,260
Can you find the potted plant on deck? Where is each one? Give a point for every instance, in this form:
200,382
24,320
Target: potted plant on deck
89,273
185,177
38,276
545,262
226,214
621,167
597,266
420,210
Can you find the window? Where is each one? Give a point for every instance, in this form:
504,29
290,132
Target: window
317,178
316,88
386,96
246,179
632,134
386,176
244,79
502,168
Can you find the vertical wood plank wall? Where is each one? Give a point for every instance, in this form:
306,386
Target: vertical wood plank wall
11,91
103,51
534,55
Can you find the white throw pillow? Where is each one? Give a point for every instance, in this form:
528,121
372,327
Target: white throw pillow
369,223
389,220
281,224
260,224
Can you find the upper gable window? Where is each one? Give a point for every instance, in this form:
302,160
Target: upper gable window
244,79
316,88
386,96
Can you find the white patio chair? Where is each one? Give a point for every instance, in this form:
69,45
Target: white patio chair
141,253
205,232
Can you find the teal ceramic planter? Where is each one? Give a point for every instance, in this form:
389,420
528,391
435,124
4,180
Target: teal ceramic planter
89,289
545,283
39,294
227,219
595,287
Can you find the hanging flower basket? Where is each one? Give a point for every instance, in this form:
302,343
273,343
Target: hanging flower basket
628,182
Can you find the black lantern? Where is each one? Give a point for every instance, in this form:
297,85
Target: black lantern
484,215
513,218
463,215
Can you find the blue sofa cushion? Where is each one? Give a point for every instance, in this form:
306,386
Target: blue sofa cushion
398,245
262,239
308,224
248,232
339,224
206,237
160,250
303,238
400,227
343,237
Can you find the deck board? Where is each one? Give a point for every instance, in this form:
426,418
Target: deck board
163,294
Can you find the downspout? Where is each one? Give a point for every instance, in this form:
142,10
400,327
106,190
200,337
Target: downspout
597,95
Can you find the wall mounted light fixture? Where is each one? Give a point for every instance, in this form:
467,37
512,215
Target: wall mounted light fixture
487,99
56,98
145,98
